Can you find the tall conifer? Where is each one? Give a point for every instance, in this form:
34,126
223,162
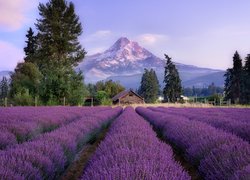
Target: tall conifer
173,89
246,83
31,46
59,49
149,88
234,80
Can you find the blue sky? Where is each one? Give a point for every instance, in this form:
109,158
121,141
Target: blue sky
202,33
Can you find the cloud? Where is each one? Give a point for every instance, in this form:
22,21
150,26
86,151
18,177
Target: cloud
96,36
152,39
98,41
96,50
14,13
102,34
158,44
9,56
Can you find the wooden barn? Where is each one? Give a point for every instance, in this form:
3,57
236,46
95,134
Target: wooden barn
127,97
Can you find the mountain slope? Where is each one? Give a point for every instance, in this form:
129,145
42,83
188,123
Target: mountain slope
205,80
123,58
125,62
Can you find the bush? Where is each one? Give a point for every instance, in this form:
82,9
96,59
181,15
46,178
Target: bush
106,101
23,99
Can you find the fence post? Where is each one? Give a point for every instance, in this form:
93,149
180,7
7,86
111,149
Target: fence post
92,102
64,101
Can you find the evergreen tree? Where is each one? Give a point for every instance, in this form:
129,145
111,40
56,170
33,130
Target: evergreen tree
149,88
172,90
59,50
4,88
234,80
143,89
246,78
58,32
228,84
31,47
212,89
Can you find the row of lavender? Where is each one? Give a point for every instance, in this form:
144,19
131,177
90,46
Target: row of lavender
20,124
216,153
47,155
236,121
131,150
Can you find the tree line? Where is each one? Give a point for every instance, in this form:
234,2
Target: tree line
236,88
211,90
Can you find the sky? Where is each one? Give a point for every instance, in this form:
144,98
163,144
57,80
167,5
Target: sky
202,33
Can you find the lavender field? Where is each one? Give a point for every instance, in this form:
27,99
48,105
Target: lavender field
145,143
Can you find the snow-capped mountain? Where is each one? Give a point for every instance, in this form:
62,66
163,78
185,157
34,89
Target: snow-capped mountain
123,58
126,60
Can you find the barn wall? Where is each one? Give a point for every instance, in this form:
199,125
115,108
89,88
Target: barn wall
131,98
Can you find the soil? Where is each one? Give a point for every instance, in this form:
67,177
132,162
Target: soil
76,169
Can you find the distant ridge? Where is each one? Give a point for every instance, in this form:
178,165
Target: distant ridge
4,74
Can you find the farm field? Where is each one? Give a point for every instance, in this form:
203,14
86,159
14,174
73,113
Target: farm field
140,143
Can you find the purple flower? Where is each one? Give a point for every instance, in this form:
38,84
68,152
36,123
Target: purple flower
131,150
216,150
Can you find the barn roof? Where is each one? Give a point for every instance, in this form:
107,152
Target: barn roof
124,93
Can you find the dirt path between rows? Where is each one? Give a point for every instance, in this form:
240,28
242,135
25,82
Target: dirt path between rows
76,169
179,157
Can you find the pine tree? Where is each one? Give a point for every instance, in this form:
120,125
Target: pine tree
172,90
59,49
149,88
31,47
155,86
246,79
228,84
4,88
234,80
58,32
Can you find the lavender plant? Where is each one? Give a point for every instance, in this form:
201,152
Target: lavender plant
131,150
47,156
20,124
216,153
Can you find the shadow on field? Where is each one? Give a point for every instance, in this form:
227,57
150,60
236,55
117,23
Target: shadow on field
179,156
76,169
